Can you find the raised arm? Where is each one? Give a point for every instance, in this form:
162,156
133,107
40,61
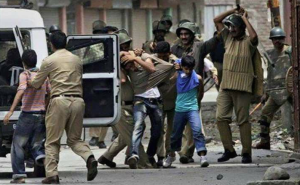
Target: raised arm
252,33
218,20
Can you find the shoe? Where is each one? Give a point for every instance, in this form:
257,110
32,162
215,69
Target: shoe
160,162
168,162
51,180
262,145
92,168
93,141
152,161
132,161
18,181
104,161
126,160
191,160
101,144
246,159
184,159
227,155
203,161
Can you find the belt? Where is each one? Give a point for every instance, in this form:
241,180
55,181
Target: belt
127,103
66,95
34,112
152,100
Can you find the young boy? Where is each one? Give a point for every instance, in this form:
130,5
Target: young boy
31,123
189,83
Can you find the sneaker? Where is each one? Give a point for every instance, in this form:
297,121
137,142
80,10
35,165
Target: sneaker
133,161
18,181
93,141
227,155
168,162
246,159
203,161
184,159
101,145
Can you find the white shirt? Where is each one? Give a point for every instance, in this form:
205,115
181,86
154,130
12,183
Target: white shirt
151,93
208,65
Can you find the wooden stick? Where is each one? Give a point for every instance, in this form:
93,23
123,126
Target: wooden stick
257,106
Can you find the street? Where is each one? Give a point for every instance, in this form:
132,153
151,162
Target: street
72,169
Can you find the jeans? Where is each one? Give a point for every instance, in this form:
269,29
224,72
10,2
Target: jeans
29,128
143,107
180,120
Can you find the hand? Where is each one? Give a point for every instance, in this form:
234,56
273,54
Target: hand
264,98
176,66
128,58
6,118
138,51
245,15
123,53
215,77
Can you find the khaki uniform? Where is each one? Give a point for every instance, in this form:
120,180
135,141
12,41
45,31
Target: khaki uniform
168,95
198,50
125,128
236,90
64,71
276,90
98,132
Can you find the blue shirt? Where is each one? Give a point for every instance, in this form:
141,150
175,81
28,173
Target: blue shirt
187,101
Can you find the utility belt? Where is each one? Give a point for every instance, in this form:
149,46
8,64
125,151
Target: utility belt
123,103
66,95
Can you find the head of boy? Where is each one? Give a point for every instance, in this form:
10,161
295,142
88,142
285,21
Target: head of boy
29,59
58,40
163,50
188,64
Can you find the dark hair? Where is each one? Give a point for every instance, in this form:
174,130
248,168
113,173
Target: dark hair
29,58
58,40
188,61
162,47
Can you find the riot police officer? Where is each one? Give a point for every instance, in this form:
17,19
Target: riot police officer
276,92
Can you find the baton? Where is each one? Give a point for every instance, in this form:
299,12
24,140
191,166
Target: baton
257,106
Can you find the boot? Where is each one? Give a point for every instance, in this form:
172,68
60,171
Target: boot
262,145
227,155
264,136
92,168
93,141
51,180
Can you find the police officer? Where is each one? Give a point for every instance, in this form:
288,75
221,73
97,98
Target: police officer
276,92
159,32
188,44
66,107
126,124
239,68
170,37
54,28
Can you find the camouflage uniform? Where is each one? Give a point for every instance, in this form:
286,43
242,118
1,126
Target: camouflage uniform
276,89
156,26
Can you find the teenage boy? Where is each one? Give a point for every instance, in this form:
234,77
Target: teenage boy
31,123
188,84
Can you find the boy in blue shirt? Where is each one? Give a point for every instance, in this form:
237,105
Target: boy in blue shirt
188,84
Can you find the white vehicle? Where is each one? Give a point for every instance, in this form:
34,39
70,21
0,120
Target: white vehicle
22,29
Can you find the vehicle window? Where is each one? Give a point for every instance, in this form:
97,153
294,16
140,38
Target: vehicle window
10,66
95,54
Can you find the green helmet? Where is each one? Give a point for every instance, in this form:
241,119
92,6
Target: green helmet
98,27
276,32
235,20
166,18
124,38
192,27
158,26
183,21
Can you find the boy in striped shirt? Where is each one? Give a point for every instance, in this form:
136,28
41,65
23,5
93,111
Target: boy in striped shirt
30,128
